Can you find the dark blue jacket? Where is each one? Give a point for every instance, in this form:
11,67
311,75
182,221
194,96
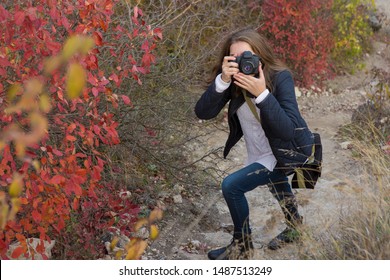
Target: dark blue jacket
290,139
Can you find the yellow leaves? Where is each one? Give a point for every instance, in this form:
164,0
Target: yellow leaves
136,249
44,103
27,105
36,164
4,208
145,230
77,44
113,243
52,64
156,214
15,190
8,210
32,99
16,203
153,232
38,129
118,254
13,91
28,94
76,76
16,187
140,223
75,82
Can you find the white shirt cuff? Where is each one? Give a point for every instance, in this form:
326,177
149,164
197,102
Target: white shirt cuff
262,96
220,85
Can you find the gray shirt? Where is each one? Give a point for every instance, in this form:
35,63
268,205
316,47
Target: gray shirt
257,145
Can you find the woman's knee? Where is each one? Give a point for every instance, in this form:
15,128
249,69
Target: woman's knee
229,186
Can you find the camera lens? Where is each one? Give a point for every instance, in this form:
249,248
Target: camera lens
247,68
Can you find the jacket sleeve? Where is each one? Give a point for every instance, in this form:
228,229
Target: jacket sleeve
211,103
279,111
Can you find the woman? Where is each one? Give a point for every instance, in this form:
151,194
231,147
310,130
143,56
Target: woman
277,137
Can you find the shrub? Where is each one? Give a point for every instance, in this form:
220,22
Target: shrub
57,115
352,32
301,33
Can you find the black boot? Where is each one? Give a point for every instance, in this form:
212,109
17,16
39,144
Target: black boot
293,220
288,235
241,247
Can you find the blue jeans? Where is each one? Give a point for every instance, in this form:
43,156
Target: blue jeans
246,179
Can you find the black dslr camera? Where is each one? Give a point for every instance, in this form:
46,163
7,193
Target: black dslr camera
248,63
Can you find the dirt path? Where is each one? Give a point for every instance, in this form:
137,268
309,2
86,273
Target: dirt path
202,220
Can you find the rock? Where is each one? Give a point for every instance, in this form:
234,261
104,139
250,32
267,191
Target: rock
227,227
142,233
374,22
178,188
125,194
346,145
192,247
298,93
177,199
175,250
196,243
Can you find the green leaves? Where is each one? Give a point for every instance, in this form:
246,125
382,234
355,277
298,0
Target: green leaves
352,32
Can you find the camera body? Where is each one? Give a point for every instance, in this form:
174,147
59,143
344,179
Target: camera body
248,63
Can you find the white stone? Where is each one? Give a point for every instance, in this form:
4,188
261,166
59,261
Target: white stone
298,92
346,145
125,194
177,199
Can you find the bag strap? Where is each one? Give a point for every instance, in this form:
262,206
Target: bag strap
251,105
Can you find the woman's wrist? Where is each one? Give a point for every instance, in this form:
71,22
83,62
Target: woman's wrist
226,80
262,96
220,85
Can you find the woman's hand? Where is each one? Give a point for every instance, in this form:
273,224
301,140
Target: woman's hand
229,68
252,84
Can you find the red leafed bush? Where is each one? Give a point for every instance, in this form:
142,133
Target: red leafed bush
59,174
301,33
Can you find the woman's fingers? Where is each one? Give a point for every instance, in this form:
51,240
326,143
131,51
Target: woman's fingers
241,80
252,84
229,58
229,68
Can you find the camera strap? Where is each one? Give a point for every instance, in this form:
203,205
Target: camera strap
251,105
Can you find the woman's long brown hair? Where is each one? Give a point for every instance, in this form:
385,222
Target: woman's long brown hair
260,47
